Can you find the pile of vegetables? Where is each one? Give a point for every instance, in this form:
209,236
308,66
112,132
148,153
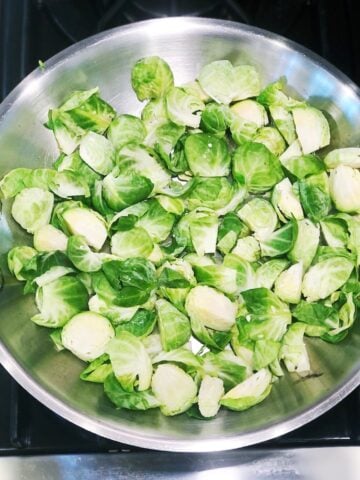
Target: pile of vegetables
185,255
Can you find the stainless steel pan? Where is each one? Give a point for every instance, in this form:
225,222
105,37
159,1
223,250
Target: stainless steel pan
105,60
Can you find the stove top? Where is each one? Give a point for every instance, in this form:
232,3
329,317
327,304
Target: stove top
33,30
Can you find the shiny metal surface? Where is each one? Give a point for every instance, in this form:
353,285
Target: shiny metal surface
283,464
105,60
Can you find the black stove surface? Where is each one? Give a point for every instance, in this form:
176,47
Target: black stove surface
33,30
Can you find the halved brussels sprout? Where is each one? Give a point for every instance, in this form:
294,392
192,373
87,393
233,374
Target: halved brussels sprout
325,277
289,282
293,349
17,258
86,335
259,216
335,231
280,241
349,157
210,392
265,353
247,248
131,243
174,389
183,109
271,138
174,326
256,167
218,276
286,202
60,300
97,152
87,223
130,362
248,393
293,150
215,119
13,182
312,128
315,196
284,122
81,255
207,155
156,221
68,184
225,365
251,111
273,95
211,308
126,129
151,77
269,271
124,190
306,243
199,229
345,188
49,239
32,208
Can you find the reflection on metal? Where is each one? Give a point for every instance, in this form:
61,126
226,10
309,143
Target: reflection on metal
302,464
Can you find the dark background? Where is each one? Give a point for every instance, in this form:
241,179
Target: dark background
33,30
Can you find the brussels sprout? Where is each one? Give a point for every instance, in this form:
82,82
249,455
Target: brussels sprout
315,196
210,392
265,353
193,88
113,312
312,128
74,163
136,159
210,307
293,349
17,258
207,155
225,365
247,248
273,95
345,188
129,400
259,215
97,152
335,231
251,111
306,243
183,109
269,271
198,229
82,111
245,277
293,150
215,119
256,167
196,260
284,122
177,292
242,130
219,277
164,140
347,316
325,277
49,239
32,208
86,335
248,393
156,221
97,370
174,326
126,129
132,243
141,324
52,274
59,301
268,316
168,379
81,255
304,165
20,178
86,222
151,77
153,346
153,115
230,229
271,138
214,193
68,184
183,356
349,157
225,83
288,284
171,205
130,362
286,202
280,241
121,191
